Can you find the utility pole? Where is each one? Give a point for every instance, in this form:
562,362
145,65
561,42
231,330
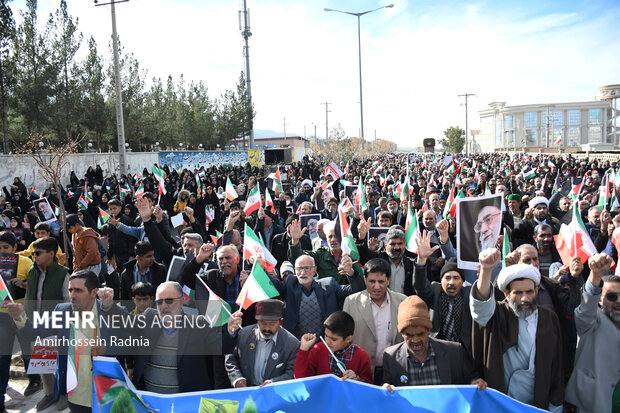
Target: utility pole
284,124
466,95
120,125
547,125
246,33
326,119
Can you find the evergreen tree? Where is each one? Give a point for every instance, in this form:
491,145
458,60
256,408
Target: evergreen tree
7,70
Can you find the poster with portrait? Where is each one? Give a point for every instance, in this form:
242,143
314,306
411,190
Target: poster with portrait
44,210
379,233
320,202
350,191
479,222
310,222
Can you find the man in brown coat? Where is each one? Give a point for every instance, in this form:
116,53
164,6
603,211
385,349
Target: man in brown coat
85,245
516,345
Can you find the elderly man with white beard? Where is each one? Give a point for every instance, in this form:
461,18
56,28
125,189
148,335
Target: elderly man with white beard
516,345
488,226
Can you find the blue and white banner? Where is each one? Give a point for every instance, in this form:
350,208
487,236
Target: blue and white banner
112,392
192,160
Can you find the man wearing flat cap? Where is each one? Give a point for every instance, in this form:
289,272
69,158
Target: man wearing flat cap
448,302
264,352
422,360
537,213
516,344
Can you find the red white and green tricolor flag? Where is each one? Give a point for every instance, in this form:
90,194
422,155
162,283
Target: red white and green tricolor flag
412,231
604,195
103,218
88,200
107,389
277,180
360,196
160,175
451,169
218,310
209,215
505,248
215,238
230,192
123,191
82,203
34,193
56,209
344,236
73,357
4,292
615,240
257,287
346,168
253,202
404,189
576,189
450,208
574,240
253,247
269,201
140,190
487,190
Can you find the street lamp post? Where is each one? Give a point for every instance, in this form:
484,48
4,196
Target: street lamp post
359,47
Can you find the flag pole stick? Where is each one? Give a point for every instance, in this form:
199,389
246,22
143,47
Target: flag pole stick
338,362
208,289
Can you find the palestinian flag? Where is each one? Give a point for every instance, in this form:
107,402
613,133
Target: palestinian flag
346,168
188,294
505,248
277,180
344,182
4,292
56,209
253,246
218,310
140,191
529,174
73,357
451,169
450,208
123,192
107,389
412,231
103,218
615,239
33,193
215,238
550,164
604,195
396,190
82,203
344,236
209,215
477,177
257,287
346,206
253,202
574,240
523,140
230,192
360,196
576,189
160,175
269,201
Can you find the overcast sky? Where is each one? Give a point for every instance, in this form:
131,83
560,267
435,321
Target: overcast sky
416,57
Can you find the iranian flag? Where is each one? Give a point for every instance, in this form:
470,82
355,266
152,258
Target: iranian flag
450,208
505,248
396,190
257,287
73,357
107,389
487,191
218,310
253,246
82,203
604,195
140,191
550,164
574,240
346,168
86,194
360,196
344,236
103,218
615,240
277,180
160,175
269,201
412,231
209,216
230,192
404,189
253,202
558,140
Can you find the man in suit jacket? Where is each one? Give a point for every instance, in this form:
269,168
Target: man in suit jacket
421,360
175,350
596,375
309,301
375,313
265,352
448,302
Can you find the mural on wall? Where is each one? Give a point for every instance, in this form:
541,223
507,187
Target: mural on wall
191,160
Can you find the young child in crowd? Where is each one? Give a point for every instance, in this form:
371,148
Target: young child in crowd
142,296
315,359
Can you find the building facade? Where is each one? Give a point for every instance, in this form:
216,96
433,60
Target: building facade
579,125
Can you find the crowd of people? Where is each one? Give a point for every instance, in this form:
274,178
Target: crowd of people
388,310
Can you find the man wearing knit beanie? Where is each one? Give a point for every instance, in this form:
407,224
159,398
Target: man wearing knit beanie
448,302
422,360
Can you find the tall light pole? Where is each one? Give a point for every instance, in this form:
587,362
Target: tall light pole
466,95
246,33
120,125
359,47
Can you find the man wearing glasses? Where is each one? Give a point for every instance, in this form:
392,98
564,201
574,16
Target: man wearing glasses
594,384
310,301
488,226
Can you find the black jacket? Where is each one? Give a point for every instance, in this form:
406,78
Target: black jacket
126,279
